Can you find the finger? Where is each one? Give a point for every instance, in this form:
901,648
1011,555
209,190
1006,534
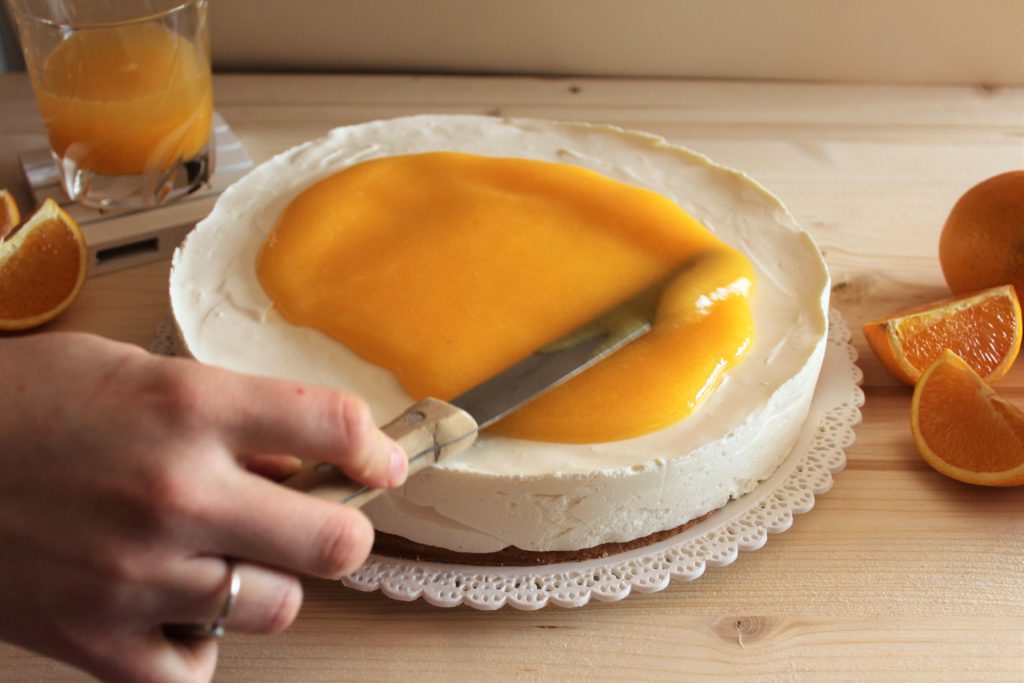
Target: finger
266,523
271,466
268,600
150,656
270,603
194,660
267,415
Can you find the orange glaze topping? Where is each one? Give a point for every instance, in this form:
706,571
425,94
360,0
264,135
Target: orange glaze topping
445,268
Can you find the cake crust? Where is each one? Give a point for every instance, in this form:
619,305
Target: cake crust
392,545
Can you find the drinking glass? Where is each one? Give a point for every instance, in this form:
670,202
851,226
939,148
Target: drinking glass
124,90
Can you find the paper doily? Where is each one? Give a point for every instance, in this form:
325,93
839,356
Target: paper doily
743,524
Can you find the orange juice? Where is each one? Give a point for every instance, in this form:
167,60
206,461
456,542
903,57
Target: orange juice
121,100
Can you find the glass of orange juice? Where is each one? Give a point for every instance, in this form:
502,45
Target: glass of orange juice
124,89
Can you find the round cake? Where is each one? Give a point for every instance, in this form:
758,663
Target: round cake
510,499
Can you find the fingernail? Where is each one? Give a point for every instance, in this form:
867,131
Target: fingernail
399,466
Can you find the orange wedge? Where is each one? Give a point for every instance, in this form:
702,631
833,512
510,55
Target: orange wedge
964,429
983,328
9,214
42,268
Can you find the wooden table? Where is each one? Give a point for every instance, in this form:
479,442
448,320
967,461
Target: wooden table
897,574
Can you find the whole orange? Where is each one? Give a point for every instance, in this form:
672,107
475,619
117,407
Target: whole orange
982,243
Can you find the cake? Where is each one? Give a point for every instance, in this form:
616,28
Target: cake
516,500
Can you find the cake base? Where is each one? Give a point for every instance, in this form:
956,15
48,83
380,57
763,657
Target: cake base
391,545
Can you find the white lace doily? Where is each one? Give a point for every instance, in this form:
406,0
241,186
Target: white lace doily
743,524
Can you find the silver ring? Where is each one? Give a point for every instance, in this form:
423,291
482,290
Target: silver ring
215,629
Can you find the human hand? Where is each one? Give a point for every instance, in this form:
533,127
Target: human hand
125,480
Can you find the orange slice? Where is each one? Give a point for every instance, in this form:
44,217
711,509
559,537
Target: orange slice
42,268
964,429
9,214
983,328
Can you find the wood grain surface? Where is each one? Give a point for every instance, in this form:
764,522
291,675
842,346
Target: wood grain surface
897,574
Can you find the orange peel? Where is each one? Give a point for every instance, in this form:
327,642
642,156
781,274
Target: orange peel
9,214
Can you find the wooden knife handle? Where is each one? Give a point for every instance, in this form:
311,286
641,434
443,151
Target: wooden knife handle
427,432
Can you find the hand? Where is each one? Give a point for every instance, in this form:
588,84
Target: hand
125,480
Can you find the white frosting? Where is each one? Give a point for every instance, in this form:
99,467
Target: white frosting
501,491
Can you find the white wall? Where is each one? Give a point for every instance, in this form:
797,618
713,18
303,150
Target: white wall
930,41
937,41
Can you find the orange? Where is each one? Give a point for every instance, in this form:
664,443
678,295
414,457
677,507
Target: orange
983,328
982,242
42,268
9,214
964,429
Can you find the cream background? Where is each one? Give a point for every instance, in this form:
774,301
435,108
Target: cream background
934,41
